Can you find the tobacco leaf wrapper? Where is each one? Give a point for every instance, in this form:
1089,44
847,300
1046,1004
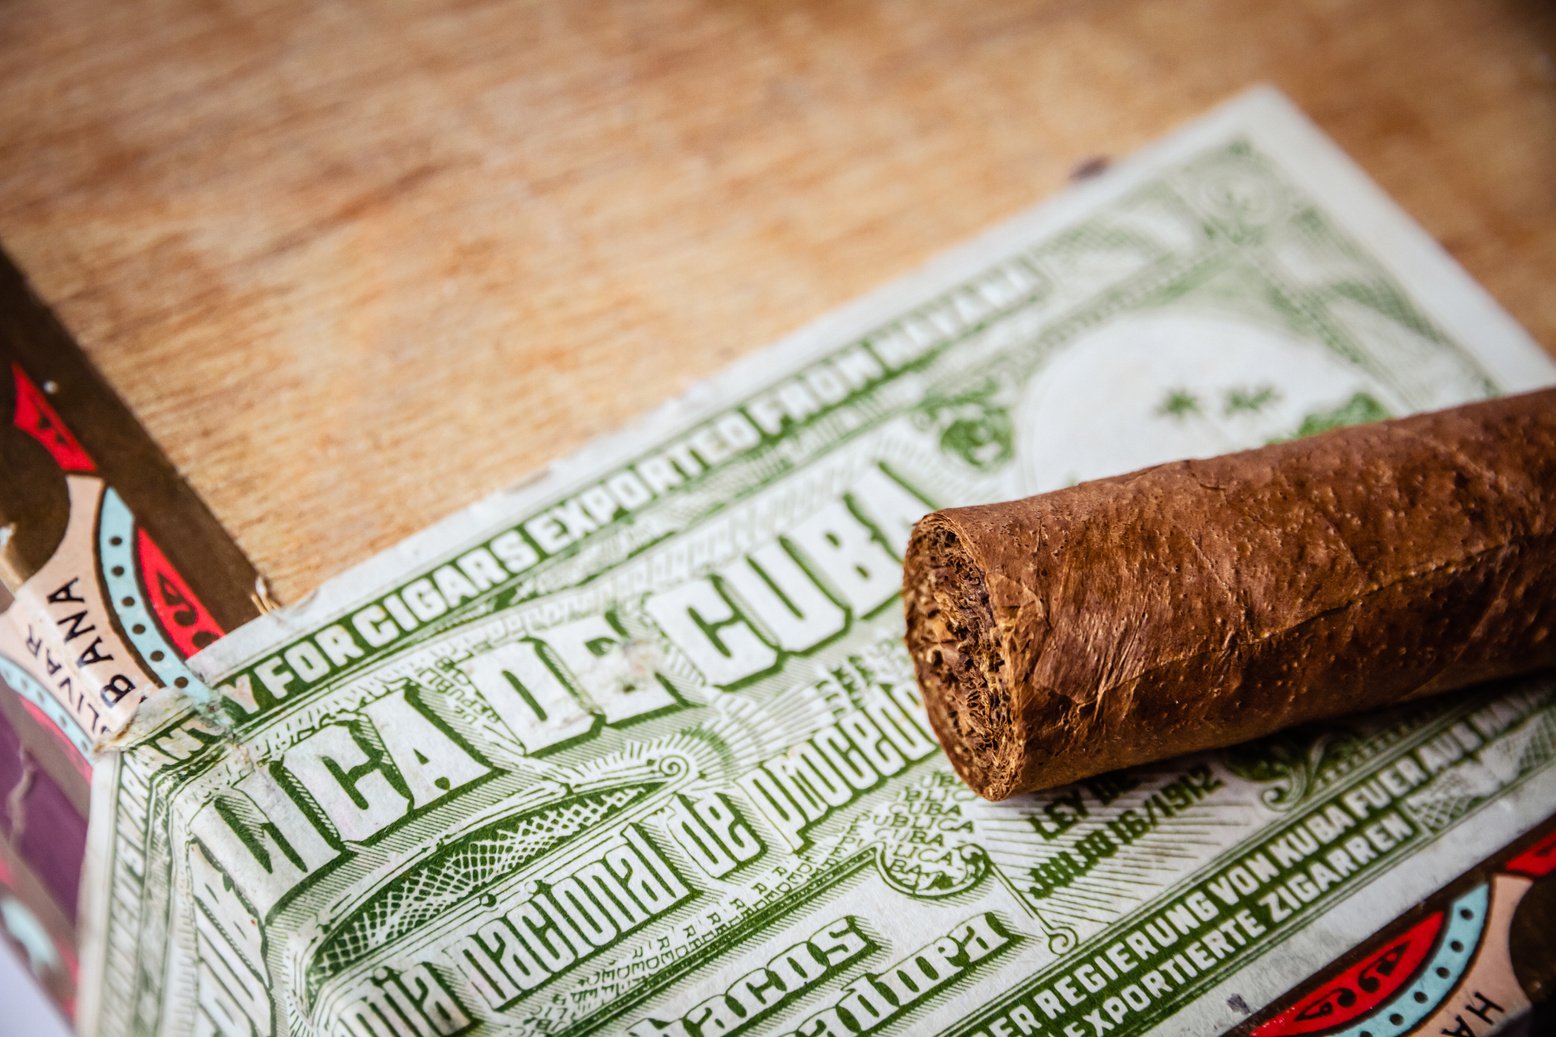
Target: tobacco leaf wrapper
1202,603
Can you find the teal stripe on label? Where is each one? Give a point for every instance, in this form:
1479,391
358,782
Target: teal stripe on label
115,550
26,686
1460,938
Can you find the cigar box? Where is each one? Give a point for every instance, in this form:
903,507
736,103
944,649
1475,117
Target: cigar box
288,286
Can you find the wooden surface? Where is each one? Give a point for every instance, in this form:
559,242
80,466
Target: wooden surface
358,264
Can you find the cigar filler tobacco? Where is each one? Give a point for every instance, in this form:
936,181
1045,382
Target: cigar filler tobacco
1201,603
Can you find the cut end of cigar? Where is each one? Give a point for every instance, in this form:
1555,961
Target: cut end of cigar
952,641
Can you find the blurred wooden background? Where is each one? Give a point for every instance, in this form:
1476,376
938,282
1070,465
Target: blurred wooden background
356,264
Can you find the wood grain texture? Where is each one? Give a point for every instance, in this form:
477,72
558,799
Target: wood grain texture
358,264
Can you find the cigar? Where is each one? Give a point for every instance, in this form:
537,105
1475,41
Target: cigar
1202,603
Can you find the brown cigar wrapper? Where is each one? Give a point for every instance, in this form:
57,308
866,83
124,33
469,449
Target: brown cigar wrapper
1202,603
